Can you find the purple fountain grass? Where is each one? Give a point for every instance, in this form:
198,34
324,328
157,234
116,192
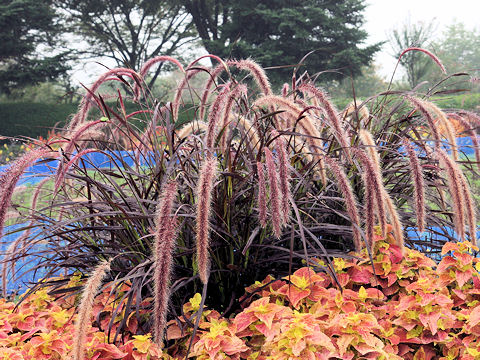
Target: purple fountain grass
262,195
10,177
284,174
352,108
447,127
80,132
471,116
177,98
164,244
275,195
83,321
373,183
418,185
215,114
394,219
432,56
367,139
285,89
238,91
60,176
471,133
207,87
208,172
456,190
350,200
469,208
86,102
157,59
423,108
332,114
305,123
250,131
257,72
191,128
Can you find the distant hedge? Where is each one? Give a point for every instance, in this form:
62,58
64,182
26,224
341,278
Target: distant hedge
36,119
32,119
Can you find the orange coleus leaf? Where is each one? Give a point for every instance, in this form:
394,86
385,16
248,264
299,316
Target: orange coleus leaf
108,351
474,317
261,309
293,293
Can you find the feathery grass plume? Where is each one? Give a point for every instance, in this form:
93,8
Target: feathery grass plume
10,177
332,114
157,59
423,108
456,190
469,129
215,114
367,139
257,72
350,200
373,182
191,128
351,109
446,126
208,174
306,124
469,207
86,102
80,132
262,198
164,245
275,196
85,309
238,91
284,174
177,98
418,185
473,118
285,89
394,219
60,176
432,56
207,87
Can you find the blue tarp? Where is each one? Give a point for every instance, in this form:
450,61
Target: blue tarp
93,160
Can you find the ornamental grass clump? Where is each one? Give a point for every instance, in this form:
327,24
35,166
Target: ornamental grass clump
250,197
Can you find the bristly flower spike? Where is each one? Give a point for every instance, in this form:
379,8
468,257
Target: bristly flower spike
262,195
164,244
215,114
456,191
85,309
275,201
284,174
418,185
350,201
208,173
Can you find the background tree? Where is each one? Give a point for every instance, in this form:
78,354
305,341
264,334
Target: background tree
30,29
459,50
415,64
129,31
281,32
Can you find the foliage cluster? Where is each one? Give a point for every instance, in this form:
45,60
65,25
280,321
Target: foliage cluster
255,184
398,306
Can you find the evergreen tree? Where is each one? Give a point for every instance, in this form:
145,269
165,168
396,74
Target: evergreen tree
281,32
29,29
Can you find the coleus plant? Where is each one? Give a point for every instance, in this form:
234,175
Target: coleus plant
394,307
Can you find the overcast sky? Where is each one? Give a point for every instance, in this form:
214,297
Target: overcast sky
382,16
